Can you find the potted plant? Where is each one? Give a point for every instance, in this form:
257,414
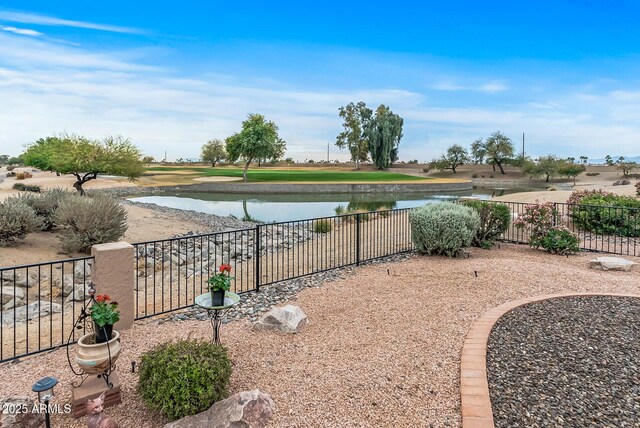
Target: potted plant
98,351
219,283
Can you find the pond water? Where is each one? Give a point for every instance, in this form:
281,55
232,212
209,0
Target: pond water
279,207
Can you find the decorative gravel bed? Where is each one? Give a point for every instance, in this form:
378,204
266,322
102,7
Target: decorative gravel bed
571,361
382,347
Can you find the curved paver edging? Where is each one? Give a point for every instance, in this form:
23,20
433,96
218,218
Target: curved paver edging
474,385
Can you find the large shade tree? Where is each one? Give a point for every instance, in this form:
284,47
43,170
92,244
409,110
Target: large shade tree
384,133
356,118
497,149
85,158
213,152
258,139
455,156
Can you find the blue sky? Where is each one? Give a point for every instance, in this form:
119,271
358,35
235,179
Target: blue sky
172,75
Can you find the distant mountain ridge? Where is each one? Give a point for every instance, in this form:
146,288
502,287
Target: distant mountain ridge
615,158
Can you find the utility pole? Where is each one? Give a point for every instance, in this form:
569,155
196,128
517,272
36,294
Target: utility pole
327,152
523,146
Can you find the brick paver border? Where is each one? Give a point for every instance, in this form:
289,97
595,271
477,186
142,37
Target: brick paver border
474,385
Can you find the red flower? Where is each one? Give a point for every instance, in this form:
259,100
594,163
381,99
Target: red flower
102,298
225,268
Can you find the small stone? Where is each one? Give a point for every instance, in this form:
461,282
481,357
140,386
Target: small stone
288,319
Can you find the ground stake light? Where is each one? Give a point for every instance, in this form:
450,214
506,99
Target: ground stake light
44,388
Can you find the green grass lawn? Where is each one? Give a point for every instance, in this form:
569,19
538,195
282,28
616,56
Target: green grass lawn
294,175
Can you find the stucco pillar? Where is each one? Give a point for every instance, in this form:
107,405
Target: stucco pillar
113,274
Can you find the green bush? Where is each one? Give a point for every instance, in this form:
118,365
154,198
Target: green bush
608,214
494,221
443,228
83,221
46,204
592,174
184,378
559,240
16,221
26,187
322,226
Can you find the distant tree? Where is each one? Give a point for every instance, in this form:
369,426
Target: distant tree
148,160
546,166
626,167
180,160
571,159
584,159
85,158
609,160
456,155
620,159
412,162
213,152
498,149
16,160
383,134
258,139
571,170
356,119
478,151
4,159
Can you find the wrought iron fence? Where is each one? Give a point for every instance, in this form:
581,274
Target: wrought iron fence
40,303
606,229
170,273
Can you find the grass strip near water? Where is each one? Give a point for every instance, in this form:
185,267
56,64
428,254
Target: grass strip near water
291,175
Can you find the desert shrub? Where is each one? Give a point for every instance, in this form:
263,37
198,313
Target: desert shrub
184,378
83,221
552,189
637,188
608,214
592,174
322,226
494,221
23,175
559,240
443,228
577,195
46,204
11,167
17,220
537,219
426,169
474,175
26,187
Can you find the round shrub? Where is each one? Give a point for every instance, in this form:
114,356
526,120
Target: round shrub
85,221
443,228
559,240
16,221
184,378
46,204
494,221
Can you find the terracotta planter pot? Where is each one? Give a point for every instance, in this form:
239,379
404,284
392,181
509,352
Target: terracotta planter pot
93,357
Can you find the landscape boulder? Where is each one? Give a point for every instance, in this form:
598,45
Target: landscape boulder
288,319
32,311
611,263
622,182
10,293
16,413
247,409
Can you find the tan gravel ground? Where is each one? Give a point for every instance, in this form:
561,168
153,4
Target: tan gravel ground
382,347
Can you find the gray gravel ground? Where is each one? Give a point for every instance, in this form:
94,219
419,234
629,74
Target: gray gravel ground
571,362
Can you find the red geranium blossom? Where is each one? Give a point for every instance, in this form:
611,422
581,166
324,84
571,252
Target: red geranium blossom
225,268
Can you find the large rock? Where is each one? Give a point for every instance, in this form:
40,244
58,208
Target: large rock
247,409
16,413
9,293
82,271
611,263
20,279
32,311
288,319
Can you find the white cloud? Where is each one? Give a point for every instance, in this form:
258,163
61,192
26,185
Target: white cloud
489,87
21,31
32,18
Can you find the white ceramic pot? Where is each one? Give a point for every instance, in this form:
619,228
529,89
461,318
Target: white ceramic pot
93,358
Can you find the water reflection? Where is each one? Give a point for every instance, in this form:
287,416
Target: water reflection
279,207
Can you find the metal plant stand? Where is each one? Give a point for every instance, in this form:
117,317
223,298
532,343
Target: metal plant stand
217,313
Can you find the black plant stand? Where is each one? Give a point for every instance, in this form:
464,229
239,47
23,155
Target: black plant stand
217,313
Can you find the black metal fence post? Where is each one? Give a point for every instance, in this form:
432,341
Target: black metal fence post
256,264
358,239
